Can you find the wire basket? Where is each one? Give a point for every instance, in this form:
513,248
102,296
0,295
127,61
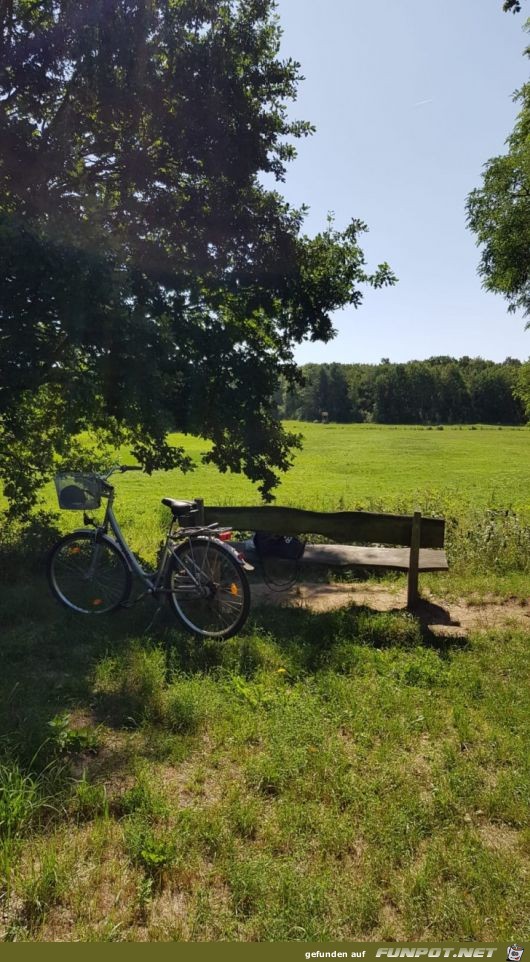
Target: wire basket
78,492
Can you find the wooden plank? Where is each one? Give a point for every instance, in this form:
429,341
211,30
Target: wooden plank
341,526
195,517
412,581
345,556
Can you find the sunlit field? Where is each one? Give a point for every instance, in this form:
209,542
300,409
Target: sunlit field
454,472
346,774
353,464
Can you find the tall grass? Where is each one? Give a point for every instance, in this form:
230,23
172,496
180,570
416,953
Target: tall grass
488,539
27,801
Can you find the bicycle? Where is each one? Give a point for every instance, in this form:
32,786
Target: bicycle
200,573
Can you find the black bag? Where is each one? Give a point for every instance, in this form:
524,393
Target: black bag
278,546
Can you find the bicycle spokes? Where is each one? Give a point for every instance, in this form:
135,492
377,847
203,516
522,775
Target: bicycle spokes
87,576
208,588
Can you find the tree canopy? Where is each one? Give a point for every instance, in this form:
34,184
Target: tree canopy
499,214
499,211
150,281
440,390
523,388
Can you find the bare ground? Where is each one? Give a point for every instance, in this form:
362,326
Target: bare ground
437,614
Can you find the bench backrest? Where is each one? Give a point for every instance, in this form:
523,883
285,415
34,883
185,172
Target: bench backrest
346,527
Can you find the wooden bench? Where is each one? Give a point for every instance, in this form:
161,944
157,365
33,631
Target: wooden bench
361,539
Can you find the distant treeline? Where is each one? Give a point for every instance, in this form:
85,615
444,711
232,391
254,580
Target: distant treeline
441,390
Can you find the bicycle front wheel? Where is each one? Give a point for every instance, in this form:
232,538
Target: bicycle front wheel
209,590
88,575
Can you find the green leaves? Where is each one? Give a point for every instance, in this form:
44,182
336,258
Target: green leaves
148,276
499,214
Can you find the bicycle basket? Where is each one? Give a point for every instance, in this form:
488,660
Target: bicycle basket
78,492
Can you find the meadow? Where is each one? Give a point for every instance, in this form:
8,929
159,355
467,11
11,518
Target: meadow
477,478
342,774
356,465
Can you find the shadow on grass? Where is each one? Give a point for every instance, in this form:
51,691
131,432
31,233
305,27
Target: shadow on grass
361,624
50,657
25,546
429,613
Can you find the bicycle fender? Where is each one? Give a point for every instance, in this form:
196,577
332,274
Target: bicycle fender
100,537
237,556
84,531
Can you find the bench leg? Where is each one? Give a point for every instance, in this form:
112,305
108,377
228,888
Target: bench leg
414,561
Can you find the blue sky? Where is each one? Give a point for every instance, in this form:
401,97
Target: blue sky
410,99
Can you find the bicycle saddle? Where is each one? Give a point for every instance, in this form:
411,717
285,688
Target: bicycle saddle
178,507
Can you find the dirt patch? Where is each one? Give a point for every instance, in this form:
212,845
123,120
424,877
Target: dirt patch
390,927
171,910
192,783
500,838
435,613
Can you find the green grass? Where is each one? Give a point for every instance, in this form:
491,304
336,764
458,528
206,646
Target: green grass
323,776
477,479
343,775
355,464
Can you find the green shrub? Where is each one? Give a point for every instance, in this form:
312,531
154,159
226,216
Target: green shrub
149,848
66,739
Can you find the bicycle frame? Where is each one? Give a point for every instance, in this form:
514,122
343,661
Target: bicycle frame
110,521
94,571
153,582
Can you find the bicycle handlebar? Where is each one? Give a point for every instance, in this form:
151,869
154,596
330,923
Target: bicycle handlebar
122,468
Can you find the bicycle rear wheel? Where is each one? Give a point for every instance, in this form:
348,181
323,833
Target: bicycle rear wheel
209,590
88,575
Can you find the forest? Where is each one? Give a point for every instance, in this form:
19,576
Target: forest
440,390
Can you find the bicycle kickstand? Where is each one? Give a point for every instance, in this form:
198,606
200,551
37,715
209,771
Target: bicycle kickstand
153,619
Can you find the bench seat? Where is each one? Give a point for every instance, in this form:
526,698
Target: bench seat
346,556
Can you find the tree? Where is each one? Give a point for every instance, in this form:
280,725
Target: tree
453,395
150,282
439,390
390,394
309,394
492,397
522,388
339,404
499,214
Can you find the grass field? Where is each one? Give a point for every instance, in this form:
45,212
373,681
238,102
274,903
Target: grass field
355,465
345,774
479,480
